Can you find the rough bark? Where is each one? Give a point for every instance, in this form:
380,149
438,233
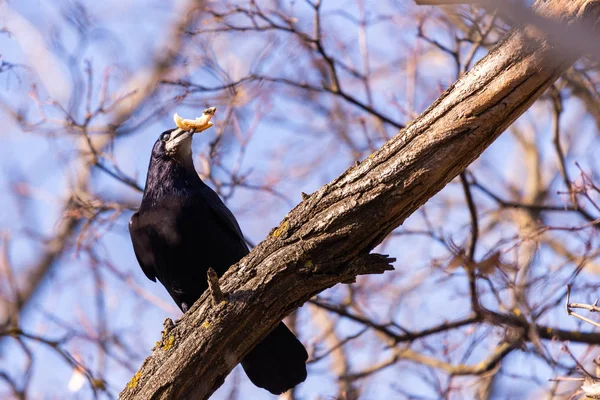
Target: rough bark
327,238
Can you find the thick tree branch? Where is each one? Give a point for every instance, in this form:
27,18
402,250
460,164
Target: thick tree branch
326,239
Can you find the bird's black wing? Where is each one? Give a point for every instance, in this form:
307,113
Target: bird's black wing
142,247
224,215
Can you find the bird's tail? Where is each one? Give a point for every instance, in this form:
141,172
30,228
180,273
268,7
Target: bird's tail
278,363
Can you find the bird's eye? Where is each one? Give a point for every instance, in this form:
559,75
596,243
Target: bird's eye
165,136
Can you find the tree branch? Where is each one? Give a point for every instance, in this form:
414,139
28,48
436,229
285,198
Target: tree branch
326,239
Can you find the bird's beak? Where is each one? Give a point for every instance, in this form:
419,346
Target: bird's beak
186,128
177,139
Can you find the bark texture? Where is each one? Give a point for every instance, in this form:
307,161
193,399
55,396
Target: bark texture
327,238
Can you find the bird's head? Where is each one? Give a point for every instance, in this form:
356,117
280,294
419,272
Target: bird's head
177,143
173,143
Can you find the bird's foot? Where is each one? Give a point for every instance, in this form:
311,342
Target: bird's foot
214,288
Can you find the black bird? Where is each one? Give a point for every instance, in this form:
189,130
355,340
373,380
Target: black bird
181,229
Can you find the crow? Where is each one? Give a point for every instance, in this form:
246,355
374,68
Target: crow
181,229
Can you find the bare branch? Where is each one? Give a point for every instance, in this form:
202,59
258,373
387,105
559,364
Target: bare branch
325,239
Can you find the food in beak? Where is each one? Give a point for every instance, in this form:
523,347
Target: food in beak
198,124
